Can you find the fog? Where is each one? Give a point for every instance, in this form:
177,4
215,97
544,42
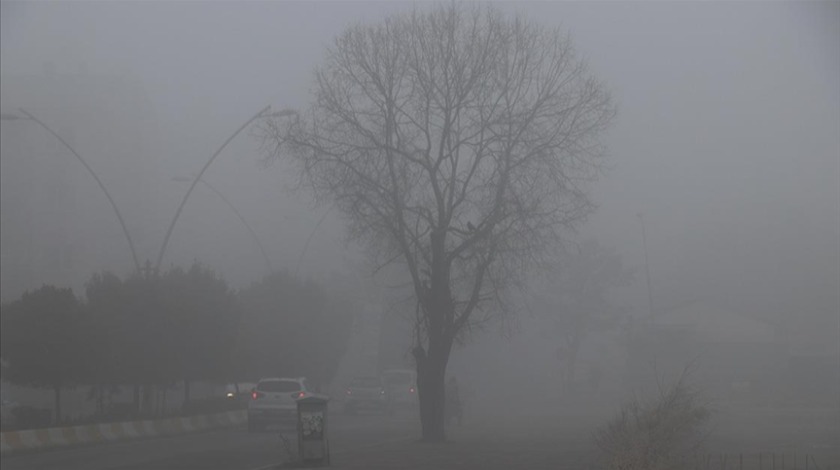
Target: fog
727,140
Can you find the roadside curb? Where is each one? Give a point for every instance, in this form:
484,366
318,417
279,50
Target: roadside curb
36,439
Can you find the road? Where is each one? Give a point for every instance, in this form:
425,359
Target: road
228,449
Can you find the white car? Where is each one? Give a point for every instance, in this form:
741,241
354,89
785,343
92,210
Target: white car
274,401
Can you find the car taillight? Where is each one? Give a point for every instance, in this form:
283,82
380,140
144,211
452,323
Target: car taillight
298,395
411,390
256,395
348,391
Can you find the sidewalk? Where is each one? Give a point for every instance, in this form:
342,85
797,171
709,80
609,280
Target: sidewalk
536,443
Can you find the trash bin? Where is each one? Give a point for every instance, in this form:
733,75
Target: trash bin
313,446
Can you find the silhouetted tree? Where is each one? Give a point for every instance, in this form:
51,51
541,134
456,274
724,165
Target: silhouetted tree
42,335
204,319
156,330
458,143
136,340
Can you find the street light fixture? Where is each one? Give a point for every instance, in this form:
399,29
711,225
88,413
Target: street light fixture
185,179
263,113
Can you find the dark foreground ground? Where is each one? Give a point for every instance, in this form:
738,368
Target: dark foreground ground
496,440
742,439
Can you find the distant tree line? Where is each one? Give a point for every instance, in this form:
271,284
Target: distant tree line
188,325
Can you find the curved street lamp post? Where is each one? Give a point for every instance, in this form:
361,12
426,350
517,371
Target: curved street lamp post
185,179
29,116
262,114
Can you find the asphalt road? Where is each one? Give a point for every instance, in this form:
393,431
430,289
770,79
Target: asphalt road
228,449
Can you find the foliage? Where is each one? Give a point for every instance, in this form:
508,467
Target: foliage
459,144
204,317
180,325
666,433
291,327
43,338
160,329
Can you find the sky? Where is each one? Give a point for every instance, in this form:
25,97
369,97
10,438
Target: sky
727,136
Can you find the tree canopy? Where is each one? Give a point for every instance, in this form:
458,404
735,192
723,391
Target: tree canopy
180,325
44,339
458,143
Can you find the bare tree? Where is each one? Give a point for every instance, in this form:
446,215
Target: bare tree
458,143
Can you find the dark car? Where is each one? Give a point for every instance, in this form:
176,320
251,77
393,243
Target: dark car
367,393
401,385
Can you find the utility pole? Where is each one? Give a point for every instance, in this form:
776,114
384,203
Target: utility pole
647,265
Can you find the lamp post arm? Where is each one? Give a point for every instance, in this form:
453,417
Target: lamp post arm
195,181
247,226
98,181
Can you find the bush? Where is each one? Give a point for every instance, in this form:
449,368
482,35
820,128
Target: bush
665,433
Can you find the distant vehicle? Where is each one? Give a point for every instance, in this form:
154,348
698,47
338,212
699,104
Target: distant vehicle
274,401
401,385
239,391
367,393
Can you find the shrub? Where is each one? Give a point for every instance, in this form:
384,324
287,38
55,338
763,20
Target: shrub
664,433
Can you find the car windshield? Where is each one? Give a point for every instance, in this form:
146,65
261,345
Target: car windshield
278,386
366,382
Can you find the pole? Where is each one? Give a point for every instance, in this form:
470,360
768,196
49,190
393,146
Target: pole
98,181
195,181
242,219
647,265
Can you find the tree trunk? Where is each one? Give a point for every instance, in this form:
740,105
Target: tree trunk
57,389
431,373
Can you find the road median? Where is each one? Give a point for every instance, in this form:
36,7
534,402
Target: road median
38,439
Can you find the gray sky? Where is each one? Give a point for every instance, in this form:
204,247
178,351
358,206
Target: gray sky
727,137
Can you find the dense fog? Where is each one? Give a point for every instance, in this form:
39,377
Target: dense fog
718,209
